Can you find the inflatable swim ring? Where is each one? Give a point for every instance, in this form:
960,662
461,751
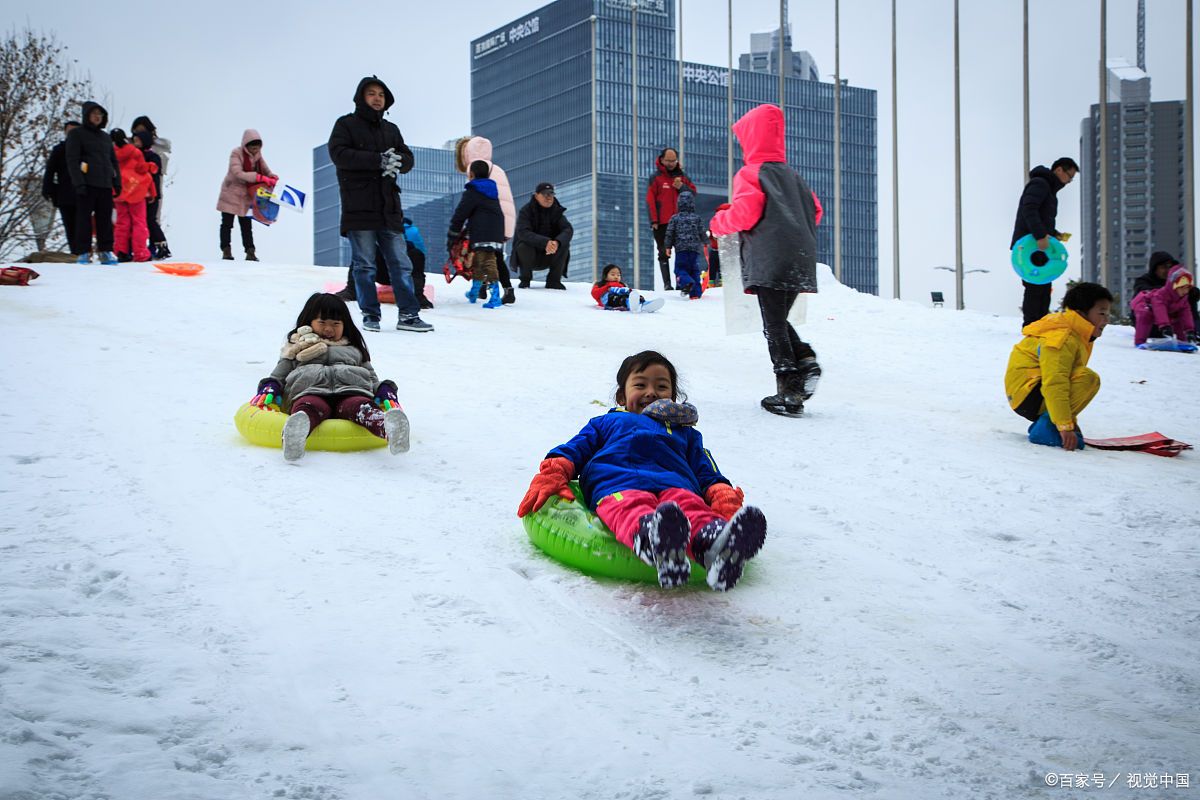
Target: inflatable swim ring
265,428
184,270
1026,257
568,531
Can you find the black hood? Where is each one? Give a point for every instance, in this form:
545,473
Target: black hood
87,109
360,104
1046,174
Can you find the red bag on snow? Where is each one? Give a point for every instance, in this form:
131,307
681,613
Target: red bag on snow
16,276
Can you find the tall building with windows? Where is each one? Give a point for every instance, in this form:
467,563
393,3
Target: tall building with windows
547,85
544,86
1146,180
429,193
764,56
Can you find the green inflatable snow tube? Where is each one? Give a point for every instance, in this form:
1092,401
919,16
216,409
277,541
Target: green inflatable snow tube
568,531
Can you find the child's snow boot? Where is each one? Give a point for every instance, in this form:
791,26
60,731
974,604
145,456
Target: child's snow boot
785,402
661,541
473,292
227,253
1043,431
495,301
295,436
108,259
395,428
723,548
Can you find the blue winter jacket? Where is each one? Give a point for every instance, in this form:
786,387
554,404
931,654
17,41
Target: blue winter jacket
621,451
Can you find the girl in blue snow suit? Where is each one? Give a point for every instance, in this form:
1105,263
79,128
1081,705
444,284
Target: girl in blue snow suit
645,471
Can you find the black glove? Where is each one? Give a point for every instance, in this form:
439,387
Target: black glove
1167,331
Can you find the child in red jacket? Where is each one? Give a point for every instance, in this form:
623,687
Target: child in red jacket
131,236
613,295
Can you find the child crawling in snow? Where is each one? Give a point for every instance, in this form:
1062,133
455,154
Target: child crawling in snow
324,372
645,471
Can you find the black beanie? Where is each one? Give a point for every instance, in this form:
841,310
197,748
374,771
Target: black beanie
1160,257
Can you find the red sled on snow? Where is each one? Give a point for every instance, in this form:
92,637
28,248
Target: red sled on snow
1153,443
459,262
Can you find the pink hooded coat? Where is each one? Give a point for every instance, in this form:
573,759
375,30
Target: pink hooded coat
235,189
477,148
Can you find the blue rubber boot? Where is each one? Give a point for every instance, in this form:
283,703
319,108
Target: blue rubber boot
1044,432
473,292
496,300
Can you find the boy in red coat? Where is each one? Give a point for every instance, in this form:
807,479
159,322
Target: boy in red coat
137,184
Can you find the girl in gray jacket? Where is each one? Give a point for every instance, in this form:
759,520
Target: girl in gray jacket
324,372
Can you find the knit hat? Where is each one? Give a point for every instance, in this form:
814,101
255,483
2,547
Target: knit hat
1180,277
1160,257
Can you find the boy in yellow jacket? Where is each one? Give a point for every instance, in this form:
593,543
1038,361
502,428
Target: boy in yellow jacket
1047,379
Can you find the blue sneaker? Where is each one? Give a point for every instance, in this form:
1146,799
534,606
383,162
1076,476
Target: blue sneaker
370,324
108,259
1043,431
86,258
414,324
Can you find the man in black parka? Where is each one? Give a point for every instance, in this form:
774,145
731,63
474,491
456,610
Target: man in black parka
1036,214
96,178
543,237
57,188
368,152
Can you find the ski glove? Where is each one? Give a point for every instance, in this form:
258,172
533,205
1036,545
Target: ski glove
1167,331
551,481
268,180
724,499
390,162
269,395
386,397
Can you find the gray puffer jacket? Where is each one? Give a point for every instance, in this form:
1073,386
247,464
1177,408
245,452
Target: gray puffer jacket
685,231
339,370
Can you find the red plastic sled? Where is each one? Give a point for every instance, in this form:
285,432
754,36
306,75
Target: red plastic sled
185,270
1153,443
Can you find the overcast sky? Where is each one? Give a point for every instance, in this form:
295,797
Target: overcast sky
207,71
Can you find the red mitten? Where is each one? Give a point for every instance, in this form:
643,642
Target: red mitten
551,481
269,180
724,499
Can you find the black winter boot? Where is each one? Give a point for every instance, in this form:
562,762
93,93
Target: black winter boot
724,548
785,402
665,268
226,253
661,541
808,376
250,254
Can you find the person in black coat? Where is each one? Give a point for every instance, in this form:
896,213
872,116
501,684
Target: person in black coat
57,187
96,178
543,238
1037,212
368,152
478,216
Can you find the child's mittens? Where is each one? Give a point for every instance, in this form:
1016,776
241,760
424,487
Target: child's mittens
386,397
551,481
724,499
269,395
669,411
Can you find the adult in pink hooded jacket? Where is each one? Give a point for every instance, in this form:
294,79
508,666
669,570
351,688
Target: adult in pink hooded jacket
247,167
776,214
477,148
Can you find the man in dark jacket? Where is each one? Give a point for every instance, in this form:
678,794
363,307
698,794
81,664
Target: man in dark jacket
1036,214
543,237
57,188
96,178
662,199
369,152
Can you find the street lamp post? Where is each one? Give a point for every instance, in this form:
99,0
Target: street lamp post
959,274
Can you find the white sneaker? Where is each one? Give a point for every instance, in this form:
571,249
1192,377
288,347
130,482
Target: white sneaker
295,436
395,428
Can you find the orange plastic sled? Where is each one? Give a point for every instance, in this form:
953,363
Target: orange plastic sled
186,270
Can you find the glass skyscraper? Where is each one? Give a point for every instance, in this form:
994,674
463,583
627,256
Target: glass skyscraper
544,86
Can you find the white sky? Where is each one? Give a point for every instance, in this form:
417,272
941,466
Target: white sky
204,73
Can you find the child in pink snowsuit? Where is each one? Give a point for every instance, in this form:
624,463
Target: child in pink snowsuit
1167,307
131,235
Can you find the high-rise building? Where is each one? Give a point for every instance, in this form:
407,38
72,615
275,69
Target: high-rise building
547,85
1146,180
764,56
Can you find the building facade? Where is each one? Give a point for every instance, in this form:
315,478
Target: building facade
1146,181
540,84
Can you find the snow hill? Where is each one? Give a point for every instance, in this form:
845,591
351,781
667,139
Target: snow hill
941,608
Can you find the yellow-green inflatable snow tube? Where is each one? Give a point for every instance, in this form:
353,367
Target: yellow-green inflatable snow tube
568,531
265,428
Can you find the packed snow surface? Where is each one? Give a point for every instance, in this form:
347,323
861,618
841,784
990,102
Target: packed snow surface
941,608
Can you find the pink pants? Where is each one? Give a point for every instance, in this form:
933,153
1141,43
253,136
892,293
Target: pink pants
356,408
131,233
621,511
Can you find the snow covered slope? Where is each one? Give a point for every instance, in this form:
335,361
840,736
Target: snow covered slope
941,608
